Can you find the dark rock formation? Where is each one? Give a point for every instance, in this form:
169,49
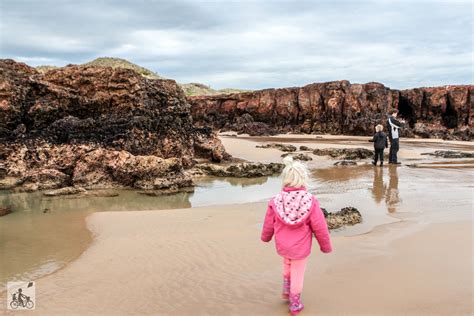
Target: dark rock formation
340,107
97,127
346,216
450,154
240,170
345,153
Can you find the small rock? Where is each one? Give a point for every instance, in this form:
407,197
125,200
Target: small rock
167,191
346,216
282,147
345,163
9,183
326,213
3,171
299,156
241,170
345,153
65,191
102,193
93,193
5,210
306,148
46,178
450,154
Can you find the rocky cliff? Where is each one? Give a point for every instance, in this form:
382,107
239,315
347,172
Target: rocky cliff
340,107
96,127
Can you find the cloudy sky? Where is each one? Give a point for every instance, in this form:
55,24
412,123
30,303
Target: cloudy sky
251,44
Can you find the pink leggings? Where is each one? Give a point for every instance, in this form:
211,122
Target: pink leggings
294,269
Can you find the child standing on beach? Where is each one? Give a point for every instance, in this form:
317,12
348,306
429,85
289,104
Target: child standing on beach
380,143
293,216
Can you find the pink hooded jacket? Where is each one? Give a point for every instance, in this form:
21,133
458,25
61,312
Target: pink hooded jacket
294,216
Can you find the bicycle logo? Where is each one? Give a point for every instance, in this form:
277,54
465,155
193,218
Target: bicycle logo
21,295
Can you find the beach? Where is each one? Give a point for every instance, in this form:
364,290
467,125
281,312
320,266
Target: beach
411,256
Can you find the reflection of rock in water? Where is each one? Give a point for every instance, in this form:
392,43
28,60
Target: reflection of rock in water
235,182
378,188
392,195
245,182
126,200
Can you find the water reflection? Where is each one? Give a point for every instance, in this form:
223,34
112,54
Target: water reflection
392,198
239,182
44,233
378,187
234,191
126,200
350,180
381,192
340,173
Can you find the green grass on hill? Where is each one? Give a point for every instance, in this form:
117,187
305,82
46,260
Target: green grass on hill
190,89
122,63
44,68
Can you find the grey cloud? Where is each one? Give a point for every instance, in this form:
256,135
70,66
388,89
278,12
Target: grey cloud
252,44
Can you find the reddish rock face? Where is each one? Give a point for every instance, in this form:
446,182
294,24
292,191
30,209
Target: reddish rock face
340,107
69,118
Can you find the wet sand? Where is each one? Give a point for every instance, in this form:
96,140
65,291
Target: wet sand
243,146
210,261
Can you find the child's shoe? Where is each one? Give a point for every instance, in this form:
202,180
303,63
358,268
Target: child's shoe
374,163
286,288
295,304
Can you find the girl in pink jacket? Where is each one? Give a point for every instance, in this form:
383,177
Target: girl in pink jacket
293,216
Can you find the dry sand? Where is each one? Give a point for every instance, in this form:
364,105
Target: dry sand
210,261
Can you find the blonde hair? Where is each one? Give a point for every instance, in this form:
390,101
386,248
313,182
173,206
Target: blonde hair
378,128
295,173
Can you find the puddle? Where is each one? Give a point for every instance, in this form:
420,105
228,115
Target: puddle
43,233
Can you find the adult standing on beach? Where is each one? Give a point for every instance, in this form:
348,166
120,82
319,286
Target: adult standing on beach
393,127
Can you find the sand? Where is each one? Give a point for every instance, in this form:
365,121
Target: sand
210,261
243,146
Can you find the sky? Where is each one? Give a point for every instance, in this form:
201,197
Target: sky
252,44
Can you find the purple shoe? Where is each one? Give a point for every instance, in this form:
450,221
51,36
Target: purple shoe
286,288
295,304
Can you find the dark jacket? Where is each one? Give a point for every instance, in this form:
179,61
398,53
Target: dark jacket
394,122
380,140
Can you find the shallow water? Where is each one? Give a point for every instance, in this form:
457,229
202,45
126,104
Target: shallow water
45,233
